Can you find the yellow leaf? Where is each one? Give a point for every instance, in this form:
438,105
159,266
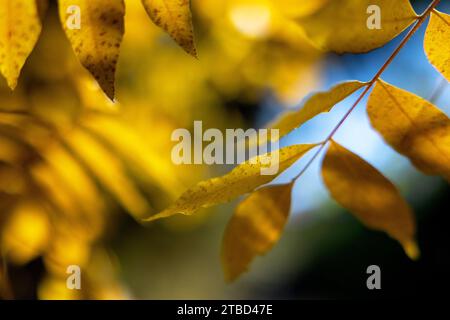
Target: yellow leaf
371,197
437,40
109,170
20,27
413,127
241,180
27,232
342,25
318,103
295,8
97,39
174,16
255,227
132,146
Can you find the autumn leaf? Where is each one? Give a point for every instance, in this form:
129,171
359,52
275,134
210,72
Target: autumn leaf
109,171
174,16
20,27
243,179
413,126
437,39
69,187
131,146
341,25
318,103
371,197
255,227
97,40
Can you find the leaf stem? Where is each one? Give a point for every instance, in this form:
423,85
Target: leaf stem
420,20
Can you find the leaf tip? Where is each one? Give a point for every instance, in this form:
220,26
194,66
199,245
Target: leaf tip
412,250
12,84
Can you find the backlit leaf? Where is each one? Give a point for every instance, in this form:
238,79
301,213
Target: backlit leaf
413,127
174,16
243,179
318,103
97,42
20,27
437,40
255,227
371,197
341,26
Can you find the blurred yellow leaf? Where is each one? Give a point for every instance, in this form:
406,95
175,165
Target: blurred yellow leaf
55,288
174,16
27,233
413,127
318,103
437,40
109,170
243,179
342,25
70,189
372,198
12,180
66,249
133,147
295,8
97,39
255,227
20,26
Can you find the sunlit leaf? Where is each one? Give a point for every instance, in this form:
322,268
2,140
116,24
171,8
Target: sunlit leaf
255,227
20,27
97,40
341,26
174,16
372,198
318,103
243,179
413,127
437,39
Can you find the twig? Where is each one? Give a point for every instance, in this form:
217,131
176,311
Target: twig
420,20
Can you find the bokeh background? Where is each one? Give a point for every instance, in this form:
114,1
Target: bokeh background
96,167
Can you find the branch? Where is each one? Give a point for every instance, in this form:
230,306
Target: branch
420,20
